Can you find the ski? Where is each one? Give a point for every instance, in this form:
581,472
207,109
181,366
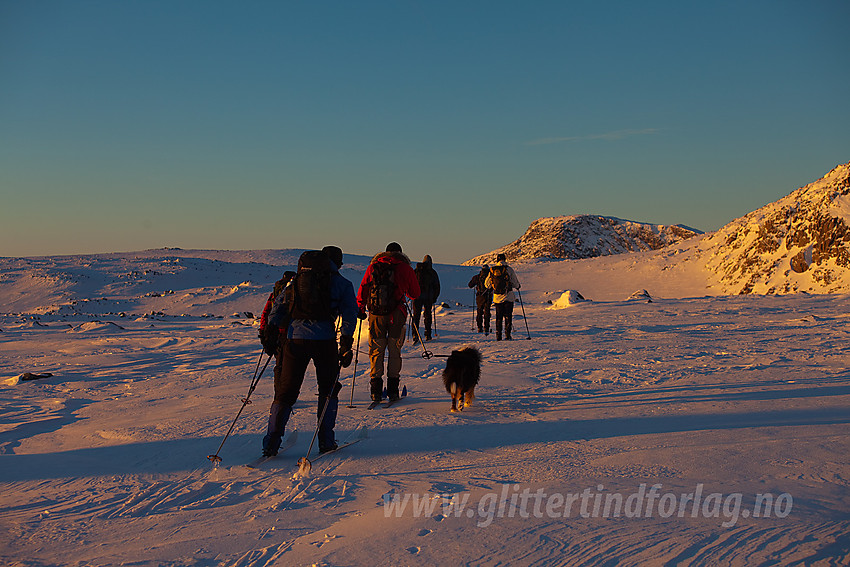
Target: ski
391,403
255,464
387,401
361,433
288,442
343,446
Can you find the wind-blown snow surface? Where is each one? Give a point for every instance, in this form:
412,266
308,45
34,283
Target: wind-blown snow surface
726,399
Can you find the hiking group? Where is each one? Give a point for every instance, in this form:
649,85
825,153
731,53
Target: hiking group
299,325
495,285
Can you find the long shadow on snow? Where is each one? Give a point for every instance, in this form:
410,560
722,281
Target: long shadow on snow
680,394
480,436
155,457
188,454
651,397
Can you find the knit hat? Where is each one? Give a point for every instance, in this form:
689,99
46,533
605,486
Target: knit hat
335,254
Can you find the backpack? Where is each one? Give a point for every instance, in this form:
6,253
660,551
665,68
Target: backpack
269,334
501,279
481,285
310,293
382,292
425,277
281,283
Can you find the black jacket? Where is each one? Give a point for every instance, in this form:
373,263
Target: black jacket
429,281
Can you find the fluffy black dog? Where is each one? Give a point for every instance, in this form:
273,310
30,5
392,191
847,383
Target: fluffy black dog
463,369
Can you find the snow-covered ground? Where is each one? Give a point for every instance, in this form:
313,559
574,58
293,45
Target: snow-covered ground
693,429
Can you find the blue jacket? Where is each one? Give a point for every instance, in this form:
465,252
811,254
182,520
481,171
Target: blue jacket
343,303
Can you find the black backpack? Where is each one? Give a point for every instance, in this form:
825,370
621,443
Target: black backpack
501,279
481,285
382,300
310,292
425,277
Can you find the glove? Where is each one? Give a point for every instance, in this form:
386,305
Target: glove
269,338
361,314
345,352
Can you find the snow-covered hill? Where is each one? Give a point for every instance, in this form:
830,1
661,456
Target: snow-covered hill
798,243
585,236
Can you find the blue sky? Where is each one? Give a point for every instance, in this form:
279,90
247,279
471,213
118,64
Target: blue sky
445,126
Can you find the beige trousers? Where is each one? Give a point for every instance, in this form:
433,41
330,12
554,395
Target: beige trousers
386,334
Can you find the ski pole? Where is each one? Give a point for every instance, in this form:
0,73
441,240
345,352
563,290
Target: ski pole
304,464
356,352
524,318
245,401
434,318
425,352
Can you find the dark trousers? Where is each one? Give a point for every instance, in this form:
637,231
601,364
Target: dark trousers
297,354
418,307
482,311
504,311
289,376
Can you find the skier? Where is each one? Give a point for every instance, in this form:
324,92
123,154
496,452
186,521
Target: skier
388,279
502,280
308,308
483,299
429,286
270,336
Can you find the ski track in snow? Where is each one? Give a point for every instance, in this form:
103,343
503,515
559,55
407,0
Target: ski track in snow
104,463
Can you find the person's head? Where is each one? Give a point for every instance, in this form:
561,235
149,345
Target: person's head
427,259
485,268
501,257
335,254
393,247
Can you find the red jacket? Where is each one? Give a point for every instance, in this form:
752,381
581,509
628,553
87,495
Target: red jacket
264,318
405,279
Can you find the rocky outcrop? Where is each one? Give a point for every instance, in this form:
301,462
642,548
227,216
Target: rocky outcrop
586,236
798,243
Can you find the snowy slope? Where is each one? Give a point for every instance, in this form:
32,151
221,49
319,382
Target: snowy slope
585,236
691,430
168,281
798,243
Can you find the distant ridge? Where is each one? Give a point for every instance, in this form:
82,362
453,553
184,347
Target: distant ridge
586,236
